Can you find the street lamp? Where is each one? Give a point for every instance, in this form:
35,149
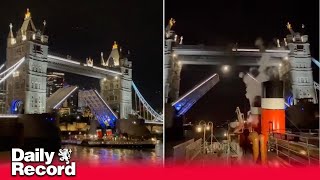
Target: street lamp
210,125
206,127
199,129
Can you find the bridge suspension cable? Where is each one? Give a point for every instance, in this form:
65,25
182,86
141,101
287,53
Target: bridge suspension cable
142,107
316,62
1,66
8,69
11,70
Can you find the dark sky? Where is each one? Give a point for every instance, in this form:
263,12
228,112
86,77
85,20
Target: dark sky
85,28
224,22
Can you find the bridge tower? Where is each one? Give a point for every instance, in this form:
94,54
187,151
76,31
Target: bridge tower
116,90
26,90
126,90
297,69
172,68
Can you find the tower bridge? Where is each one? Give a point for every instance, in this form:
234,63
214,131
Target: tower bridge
292,61
25,77
291,82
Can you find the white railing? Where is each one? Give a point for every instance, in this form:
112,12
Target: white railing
296,149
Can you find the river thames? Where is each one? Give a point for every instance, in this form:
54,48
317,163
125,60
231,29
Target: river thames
117,156
93,156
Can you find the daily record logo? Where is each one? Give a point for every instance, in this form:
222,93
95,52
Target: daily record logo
18,156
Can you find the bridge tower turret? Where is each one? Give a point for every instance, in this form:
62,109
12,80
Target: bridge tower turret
26,90
297,68
116,90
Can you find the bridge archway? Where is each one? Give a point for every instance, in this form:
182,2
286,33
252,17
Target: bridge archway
16,107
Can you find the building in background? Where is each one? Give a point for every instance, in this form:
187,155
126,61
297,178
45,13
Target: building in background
55,81
71,104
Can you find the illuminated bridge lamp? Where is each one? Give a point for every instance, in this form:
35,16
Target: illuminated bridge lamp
272,109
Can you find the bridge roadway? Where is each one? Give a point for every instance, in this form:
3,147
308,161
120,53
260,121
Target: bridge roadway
206,55
57,62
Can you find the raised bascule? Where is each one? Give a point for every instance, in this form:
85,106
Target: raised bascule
25,76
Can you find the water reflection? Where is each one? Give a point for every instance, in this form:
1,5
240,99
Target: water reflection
114,156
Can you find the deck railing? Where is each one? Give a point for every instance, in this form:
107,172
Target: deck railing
296,149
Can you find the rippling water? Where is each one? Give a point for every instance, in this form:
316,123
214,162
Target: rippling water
115,156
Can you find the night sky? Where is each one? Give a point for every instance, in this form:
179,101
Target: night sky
220,23
85,28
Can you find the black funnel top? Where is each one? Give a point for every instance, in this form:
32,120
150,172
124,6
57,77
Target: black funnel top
272,89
